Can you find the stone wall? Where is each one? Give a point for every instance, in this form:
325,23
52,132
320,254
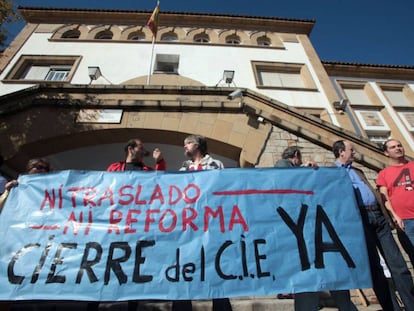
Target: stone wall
280,139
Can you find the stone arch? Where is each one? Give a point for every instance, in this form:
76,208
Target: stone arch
54,144
136,36
179,32
71,34
233,33
169,37
104,34
275,40
170,142
101,29
264,41
163,79
133,32
230,134
233,39
202,38
211,33
61,31
147,32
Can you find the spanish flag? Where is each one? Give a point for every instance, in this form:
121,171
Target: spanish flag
153,21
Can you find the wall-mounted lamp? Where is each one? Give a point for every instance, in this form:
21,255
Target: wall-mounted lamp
94,72
228,77
340,105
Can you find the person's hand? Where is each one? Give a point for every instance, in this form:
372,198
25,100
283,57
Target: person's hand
157,155
398,221
11,184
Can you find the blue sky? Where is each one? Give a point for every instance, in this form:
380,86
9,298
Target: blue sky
361,31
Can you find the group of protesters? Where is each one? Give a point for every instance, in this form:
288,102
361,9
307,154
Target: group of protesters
388,206
195,148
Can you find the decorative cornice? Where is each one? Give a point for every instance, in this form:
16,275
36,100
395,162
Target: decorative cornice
42,15
369,70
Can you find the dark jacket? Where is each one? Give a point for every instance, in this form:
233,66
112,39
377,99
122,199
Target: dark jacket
378,197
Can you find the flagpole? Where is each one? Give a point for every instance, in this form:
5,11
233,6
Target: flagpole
152,57
153,43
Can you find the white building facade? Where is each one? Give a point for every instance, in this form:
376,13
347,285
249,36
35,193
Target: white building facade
106,63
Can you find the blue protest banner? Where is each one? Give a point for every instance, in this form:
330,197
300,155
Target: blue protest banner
110,236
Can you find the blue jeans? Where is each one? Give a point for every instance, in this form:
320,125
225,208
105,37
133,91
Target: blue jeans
409,229
406,244
378,235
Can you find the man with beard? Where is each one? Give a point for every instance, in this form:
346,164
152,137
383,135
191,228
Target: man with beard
134,155
378,235
195,148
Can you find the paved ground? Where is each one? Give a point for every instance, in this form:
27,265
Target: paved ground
268,303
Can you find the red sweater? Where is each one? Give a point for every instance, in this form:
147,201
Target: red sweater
120,166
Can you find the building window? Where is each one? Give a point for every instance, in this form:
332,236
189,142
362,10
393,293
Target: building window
104,35
71,34
202,38
58,73
136,36
169,37
357,95
263,41
47,73
373,123
44,68
167,63
408,119
280,79
283,75
397,96
233,39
